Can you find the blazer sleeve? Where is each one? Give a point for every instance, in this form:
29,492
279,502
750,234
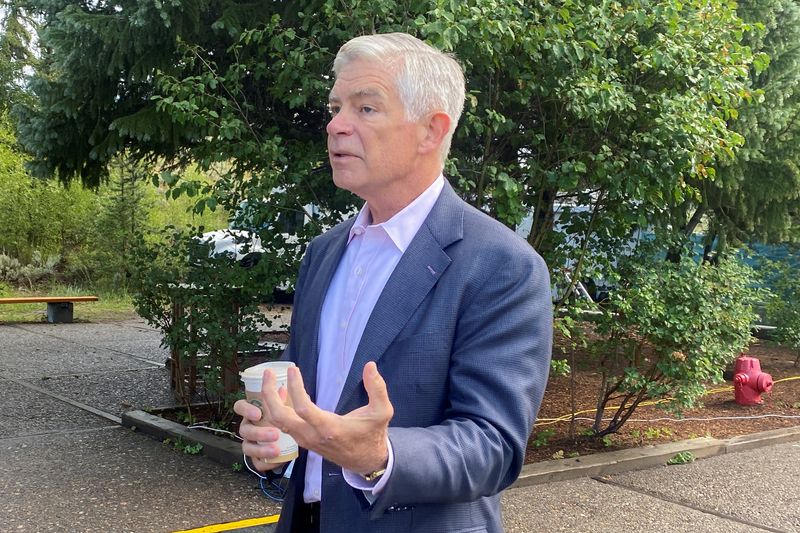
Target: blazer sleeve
499,364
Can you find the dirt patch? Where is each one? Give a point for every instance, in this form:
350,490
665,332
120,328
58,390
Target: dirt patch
719,417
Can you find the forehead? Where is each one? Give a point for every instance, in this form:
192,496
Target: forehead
361,78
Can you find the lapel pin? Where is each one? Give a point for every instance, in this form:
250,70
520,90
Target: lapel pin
431,270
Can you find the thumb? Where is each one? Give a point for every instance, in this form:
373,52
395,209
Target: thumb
377,391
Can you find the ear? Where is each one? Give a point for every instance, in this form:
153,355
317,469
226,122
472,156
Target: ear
432,132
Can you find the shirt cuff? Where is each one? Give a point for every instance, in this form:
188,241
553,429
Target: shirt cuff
371,489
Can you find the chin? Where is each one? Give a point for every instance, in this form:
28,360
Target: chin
346,181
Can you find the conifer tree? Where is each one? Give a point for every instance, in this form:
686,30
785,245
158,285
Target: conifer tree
16,51
756,196
96,80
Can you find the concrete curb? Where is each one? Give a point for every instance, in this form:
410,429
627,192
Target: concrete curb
218,449
228,452
647,457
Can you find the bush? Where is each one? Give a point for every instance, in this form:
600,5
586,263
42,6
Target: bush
208,312
783,306
669,329
12,271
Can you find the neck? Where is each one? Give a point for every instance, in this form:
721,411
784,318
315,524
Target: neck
388,203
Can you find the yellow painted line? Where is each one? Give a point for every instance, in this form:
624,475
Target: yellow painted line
229,526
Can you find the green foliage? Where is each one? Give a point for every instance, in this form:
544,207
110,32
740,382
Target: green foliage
559,367
669,329
541,438
12,271
40,219
206,307
681,458
783,308
657,433
237,467
91,231
757,196
16,51
615,107
185,447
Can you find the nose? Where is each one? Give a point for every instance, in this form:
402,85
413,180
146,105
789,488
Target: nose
339,124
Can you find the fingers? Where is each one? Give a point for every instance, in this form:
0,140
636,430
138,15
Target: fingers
377,392
301,401
249,431
275,409
247,410
262,454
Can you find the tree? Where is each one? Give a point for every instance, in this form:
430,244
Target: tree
122,208
17,28
612,115
598,115
36,215
618,107
756,197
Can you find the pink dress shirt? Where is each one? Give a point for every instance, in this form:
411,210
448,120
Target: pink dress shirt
371,256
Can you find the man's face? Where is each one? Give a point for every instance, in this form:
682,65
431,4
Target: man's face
371,146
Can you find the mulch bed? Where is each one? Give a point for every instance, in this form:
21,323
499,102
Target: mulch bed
553,441
719,416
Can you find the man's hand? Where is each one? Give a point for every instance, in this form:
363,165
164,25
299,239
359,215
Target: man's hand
355,441
260,442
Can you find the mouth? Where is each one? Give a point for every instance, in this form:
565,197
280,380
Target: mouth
341,156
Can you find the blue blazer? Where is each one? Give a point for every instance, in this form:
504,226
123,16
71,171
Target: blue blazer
462,334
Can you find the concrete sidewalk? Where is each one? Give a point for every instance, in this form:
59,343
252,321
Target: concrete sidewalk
67,465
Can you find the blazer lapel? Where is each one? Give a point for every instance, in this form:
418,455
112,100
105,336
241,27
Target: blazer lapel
421,266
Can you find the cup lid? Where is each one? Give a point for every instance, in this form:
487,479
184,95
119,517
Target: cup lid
257,371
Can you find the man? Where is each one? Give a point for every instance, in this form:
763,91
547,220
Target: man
421,329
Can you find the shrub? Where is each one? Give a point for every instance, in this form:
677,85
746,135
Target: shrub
669,329
783,307
207,311
40,267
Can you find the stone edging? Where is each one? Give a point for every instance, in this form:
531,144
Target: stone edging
228,452
218,449
647,457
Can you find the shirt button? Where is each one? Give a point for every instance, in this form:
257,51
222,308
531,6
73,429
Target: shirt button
358,230
343,325
359,271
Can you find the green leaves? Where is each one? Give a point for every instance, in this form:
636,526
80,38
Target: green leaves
671,328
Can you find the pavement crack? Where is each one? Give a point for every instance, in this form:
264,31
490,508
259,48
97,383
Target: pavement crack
82,345
28,436
676,501
80,405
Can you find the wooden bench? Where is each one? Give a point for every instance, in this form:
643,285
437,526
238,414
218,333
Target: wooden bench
59,308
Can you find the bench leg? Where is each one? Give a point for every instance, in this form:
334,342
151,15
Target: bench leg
59,312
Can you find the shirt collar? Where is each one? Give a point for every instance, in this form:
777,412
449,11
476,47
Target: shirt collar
403,226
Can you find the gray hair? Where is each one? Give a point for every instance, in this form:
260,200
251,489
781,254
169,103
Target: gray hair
427,79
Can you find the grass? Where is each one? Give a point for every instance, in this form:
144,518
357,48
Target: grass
111,306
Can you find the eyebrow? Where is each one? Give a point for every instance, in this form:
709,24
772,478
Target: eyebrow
360,93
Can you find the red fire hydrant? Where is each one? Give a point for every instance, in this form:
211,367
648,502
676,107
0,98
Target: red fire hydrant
749,382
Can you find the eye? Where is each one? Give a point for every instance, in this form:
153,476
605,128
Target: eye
334,110
367,109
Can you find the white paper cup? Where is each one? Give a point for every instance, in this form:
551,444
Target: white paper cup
252,378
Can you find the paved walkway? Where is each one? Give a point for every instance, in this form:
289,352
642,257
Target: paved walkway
67,465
